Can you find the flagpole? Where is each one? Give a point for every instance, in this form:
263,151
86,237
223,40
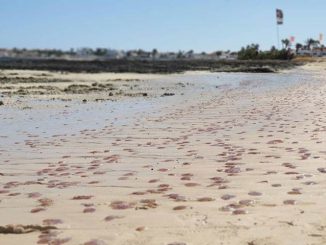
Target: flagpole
278,35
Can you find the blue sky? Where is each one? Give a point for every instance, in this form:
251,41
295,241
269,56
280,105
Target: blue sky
201,25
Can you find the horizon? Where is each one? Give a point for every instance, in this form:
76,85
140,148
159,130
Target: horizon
163,25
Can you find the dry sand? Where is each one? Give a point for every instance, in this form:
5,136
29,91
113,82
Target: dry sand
243,165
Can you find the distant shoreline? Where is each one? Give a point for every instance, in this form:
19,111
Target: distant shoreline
139,66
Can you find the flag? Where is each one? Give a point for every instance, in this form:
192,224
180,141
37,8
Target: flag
292,39
279,16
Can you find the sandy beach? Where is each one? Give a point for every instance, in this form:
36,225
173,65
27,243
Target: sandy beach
201,159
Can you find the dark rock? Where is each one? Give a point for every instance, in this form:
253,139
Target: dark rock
167,94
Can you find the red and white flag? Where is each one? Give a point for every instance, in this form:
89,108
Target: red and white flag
279,16
292,39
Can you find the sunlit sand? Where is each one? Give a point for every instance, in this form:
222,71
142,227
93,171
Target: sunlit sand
227,159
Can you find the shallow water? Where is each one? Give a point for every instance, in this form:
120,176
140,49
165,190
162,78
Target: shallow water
47,118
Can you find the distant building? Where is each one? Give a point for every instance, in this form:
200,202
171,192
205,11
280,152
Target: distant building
113,54
168,56
84,53
317,52
138,55
229,56
4,53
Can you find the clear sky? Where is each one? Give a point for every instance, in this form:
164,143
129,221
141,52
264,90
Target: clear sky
201,25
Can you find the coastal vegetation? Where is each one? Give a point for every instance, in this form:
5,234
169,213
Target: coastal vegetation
252,52
250,64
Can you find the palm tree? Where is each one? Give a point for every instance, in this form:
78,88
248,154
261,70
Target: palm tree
154,53
298,46
311,43
180,54
190,53
286,42
218,53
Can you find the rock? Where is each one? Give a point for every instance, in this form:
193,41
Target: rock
239,211
289,202
167,94
23,229
227,197
141,228
95,242
322,170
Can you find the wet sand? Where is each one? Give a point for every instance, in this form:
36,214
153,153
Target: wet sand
217,163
